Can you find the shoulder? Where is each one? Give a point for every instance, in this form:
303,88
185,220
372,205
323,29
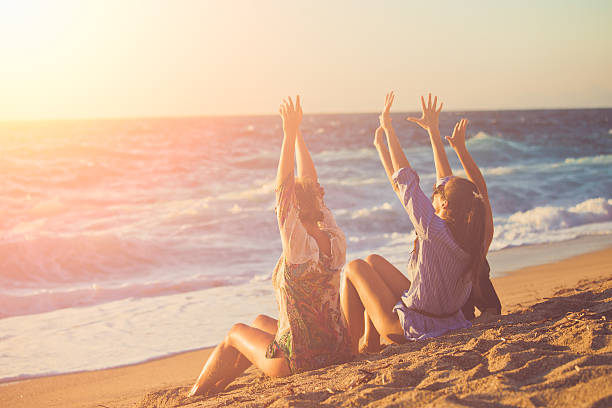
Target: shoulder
405,175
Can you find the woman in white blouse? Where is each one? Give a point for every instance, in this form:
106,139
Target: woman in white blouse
311,331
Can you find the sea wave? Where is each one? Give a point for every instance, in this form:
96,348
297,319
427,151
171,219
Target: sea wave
485,141
553,223
134,209
598,160
45,300
343,154
365,212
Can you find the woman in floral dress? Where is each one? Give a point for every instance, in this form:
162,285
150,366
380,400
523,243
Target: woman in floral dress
311,331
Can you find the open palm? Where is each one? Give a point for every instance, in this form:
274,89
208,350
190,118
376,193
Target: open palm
385,116
458,137
429,118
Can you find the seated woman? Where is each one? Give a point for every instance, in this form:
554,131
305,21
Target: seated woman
311,331
482,295
448,253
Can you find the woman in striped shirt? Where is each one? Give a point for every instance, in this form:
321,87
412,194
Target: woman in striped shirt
483,295
452,234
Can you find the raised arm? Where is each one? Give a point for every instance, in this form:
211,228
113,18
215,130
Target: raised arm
384,155
305,165
287,157
457,142
429,122
398,158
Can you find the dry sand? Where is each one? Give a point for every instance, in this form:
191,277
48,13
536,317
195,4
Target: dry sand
551,347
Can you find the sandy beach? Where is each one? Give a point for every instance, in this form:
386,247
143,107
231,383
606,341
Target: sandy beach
158,159
551,347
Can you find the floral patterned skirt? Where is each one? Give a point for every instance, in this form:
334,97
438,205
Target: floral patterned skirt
284,348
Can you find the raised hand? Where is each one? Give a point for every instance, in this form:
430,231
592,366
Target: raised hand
457,140
429,118
291,115
385,116
298,108
378,136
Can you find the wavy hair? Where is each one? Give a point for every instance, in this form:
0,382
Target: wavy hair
307,197
465,217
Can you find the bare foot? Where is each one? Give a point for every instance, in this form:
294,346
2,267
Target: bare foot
487,316
209,392
366,347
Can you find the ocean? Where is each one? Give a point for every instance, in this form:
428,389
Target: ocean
127,240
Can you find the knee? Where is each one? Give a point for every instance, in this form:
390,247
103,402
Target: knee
260,320
373,259
355,268
236,328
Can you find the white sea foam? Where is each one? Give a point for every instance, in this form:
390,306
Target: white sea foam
366,212
600,159
356,181
499,171
343,154
484,140
550,223
86,338
262,189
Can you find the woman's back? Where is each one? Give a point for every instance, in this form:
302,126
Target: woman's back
440,284
311,329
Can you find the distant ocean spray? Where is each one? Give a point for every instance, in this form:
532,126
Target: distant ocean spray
124,240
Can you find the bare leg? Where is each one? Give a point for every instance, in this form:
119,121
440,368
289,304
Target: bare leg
364,289
353,310
223,356
393,277
370,342
266,323
397,282
244,345
262,322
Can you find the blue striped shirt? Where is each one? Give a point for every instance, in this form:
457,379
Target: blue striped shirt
439,284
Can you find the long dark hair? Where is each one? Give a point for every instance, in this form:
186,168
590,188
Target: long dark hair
465,217
306,194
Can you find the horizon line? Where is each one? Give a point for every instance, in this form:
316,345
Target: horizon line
233,115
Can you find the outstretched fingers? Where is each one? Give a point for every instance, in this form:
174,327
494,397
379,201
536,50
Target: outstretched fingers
458,136
389,101
434,108
463,125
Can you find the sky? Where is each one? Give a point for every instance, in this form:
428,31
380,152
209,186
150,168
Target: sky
136,58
